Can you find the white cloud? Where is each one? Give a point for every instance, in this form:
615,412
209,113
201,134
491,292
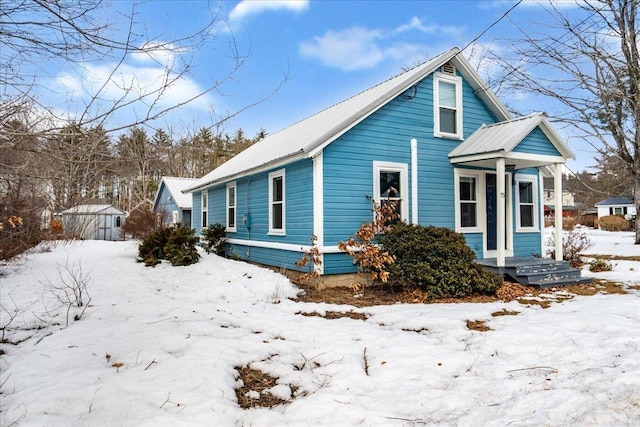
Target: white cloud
98,89
359,48
156,52
351,49
252,7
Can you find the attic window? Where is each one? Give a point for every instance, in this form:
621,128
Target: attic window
448,68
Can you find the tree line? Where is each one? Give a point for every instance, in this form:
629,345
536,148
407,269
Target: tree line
53,171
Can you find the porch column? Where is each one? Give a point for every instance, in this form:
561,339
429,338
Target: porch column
557,189
501,217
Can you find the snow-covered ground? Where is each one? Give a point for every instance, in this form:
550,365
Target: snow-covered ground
158,346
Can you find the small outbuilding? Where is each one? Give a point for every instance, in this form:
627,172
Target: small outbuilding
617,206
171,205
93,222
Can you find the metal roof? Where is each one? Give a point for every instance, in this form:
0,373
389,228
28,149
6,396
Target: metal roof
175,186
504,136
93,209
307,138
615,201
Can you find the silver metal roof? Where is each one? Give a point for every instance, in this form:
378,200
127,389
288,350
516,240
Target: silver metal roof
175,186
499,139
308,137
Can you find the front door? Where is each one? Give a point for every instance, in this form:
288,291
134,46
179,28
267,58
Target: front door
492,212
491,230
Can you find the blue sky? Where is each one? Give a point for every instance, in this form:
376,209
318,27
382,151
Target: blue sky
328,50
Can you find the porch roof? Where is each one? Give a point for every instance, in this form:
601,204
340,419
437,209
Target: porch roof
499,140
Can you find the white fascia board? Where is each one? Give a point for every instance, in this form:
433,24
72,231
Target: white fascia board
262,168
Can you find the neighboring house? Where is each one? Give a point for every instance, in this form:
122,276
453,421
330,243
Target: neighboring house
434,138
624,206
93,222
568,204
172,205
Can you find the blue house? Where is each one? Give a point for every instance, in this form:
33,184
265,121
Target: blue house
436,133
171,205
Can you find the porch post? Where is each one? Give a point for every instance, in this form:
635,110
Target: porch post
501,217
557,189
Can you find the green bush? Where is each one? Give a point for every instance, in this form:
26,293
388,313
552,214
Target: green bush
213,238
176,245
437,260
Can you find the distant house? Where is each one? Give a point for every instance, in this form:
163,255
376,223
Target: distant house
434,138
172,205
93,222
616,206
568,204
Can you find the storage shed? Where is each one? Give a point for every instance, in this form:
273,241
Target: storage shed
93,222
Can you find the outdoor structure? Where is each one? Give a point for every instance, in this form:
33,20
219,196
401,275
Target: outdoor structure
433,138
93,222
568,204
171,205
617,206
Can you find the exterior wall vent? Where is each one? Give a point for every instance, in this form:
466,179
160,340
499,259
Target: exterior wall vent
448,68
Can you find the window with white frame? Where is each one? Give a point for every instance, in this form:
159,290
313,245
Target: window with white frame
467,188
231,207
204,204
277,218
447,108
390,185
527,206
174,217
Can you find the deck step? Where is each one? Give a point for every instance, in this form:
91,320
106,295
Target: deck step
537,272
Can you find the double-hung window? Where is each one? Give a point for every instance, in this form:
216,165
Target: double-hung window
231,206
390,182
467,188
204,204
527,203
277,217
447,108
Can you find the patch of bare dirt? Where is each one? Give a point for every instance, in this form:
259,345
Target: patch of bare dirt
254,387
335,315
477,325
388,295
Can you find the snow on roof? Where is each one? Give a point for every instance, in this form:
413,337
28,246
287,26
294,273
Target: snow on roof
308,137
615,201
505,136
175,185
92,209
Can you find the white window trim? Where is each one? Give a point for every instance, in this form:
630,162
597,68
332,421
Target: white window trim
403,168
175,217
204,208
272,231
457,81
479,176
235,207
536,223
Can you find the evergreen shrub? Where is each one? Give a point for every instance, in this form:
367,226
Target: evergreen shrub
437,260
213,238
176,245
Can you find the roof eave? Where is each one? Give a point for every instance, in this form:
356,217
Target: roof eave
265,166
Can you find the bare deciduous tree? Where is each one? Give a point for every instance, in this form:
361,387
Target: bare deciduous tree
588,63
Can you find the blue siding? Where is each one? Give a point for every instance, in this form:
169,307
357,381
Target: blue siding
385,136
166,206
475,242
537,143
196,214
252,201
